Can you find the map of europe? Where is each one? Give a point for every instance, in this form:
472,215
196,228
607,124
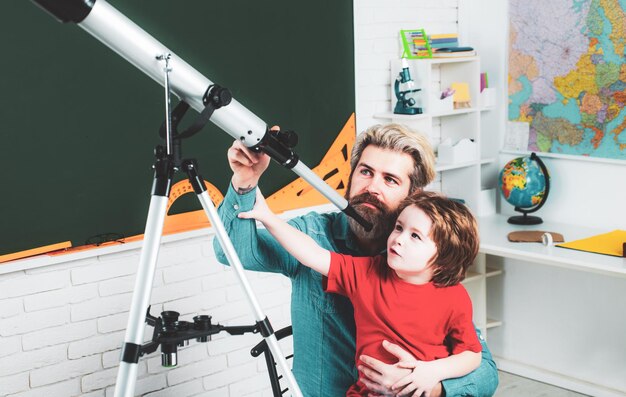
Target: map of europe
567,75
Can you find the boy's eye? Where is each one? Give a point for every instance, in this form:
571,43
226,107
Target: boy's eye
398,228
415,235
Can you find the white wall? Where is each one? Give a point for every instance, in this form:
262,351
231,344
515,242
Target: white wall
62,325
561,326
377,24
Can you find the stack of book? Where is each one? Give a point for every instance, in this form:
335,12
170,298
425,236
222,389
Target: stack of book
444,40
446,45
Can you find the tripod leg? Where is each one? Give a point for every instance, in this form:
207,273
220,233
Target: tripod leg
266,329
127,372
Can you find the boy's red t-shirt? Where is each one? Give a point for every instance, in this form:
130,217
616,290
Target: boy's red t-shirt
427,321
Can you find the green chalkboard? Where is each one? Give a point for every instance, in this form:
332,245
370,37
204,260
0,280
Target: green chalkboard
79,123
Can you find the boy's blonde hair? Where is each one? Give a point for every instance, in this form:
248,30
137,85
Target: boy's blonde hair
399,138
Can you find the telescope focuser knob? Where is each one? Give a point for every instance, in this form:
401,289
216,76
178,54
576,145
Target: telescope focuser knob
218,96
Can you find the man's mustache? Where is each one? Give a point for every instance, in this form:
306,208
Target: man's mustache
368,198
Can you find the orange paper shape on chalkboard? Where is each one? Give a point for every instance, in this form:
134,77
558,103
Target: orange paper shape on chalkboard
189,220
35,251
334,169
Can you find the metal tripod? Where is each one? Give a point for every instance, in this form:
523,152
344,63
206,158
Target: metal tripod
169,332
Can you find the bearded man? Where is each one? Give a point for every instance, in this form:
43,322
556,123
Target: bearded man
388,163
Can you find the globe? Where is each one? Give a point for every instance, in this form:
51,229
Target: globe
525,183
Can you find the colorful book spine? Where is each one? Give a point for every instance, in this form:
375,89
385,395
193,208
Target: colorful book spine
484,81
444,40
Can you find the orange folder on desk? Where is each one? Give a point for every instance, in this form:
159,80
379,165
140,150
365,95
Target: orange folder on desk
608,243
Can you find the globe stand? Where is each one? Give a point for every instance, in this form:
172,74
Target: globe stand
526,219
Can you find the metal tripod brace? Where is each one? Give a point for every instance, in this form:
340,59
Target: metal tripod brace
169,332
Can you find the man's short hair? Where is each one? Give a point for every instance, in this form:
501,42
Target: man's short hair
399,138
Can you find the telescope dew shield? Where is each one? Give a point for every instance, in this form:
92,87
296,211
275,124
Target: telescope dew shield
67,11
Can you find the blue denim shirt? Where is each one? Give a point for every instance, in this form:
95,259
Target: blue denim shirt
323,324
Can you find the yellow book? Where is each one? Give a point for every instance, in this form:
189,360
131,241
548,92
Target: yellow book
444,36
611,243
461,97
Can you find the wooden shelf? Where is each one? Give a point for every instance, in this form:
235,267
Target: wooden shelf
401,117
415,117
491,323
493,272
448,167
455,112
472,276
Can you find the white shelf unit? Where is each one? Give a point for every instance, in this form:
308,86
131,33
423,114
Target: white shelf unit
476,285
461,179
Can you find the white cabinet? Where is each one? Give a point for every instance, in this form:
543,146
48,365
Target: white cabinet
476,285
465,149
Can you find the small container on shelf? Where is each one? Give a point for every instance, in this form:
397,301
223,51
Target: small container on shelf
440,105
488,98
462,151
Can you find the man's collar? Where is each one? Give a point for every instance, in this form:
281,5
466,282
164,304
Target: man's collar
343,234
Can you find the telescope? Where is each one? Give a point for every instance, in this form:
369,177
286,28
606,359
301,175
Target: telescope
216,104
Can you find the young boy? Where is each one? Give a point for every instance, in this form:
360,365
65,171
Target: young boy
411,296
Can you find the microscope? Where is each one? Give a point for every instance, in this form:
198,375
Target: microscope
404,101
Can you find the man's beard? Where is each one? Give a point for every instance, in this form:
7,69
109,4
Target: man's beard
381,219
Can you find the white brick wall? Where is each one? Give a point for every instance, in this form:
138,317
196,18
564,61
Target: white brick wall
377,26
377,42
61,326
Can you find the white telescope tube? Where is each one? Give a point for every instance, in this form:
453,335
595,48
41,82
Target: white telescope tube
132,43
139,48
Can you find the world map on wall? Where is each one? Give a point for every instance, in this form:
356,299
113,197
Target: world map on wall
567,75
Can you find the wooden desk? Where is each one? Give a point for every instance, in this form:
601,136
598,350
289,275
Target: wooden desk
493,241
